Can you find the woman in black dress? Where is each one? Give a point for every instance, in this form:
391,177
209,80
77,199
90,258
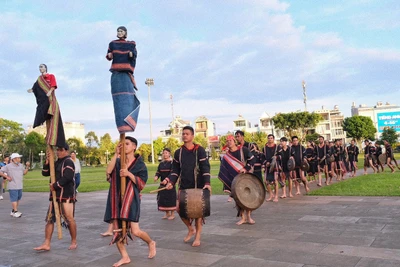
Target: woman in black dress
166,199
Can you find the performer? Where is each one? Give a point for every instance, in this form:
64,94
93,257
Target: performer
128,208
368,151
389,155
298,153
353,152
166,200
338,154
236,160
311,159
126,105
239,136
66,198
378,152
271,173
48,108
258,160
331,161
185,166
322,152
283,154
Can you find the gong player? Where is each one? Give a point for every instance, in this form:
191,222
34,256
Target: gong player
236,160
298,153
190,159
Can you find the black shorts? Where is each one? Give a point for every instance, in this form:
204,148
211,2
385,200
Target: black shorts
269,177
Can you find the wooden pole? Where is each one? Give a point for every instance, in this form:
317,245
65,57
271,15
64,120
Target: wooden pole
123,179
53,180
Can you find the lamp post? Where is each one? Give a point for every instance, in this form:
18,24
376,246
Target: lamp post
41,154
107,153
150,82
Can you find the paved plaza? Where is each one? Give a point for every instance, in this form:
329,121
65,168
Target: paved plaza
301,232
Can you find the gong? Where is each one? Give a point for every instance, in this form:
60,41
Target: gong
305,166
291,164
248,191
382,158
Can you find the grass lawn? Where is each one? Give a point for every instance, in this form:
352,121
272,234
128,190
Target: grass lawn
380,184
94,179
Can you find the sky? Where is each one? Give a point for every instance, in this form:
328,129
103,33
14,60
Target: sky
217,58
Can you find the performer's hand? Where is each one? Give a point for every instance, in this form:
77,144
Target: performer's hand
118,149
51,187
124,173
49,93
208,187
155,178
243,170
130,54
109,55
169,186
268,164
163,182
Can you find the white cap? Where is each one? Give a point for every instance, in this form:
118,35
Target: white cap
15,155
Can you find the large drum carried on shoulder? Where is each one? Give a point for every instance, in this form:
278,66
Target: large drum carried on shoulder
248,191
194,203
304,165
291,164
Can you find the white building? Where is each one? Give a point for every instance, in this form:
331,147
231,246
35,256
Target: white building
71,129
175,129
382,115
204,126
331,126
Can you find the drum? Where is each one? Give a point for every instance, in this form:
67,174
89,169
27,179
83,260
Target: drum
305,166
374,159
248,191
194,203
382,158
331,159
272,166
291,164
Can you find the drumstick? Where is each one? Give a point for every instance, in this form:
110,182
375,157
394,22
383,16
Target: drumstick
158,190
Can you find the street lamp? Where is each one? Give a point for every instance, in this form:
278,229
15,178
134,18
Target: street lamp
41,154
150,82
107,153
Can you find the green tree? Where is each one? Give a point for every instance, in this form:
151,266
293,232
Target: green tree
76,144
359,127
145,151
91,143
389,134
312,137
11,132
173,144
106,144
35,142
201,140
158,146
296,123
260,138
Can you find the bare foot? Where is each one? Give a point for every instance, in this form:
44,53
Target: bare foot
284,196
251,221
269,199
43,247
298,193
196,243
189,235
171,217
290,195
152,249
229,199
164,217
122,262
275,200
73,246
106,234
319,184
242,221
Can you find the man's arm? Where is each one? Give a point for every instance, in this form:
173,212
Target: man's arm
204,165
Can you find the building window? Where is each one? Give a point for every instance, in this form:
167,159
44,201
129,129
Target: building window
240,124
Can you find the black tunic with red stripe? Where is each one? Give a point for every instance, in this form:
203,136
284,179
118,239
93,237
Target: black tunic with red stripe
65,179
166,199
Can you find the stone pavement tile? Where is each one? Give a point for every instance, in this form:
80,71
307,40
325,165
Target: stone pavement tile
356,202
330,219
389,202
237,261
366,252
336,240
363,232
312,258
366,262
378,221
282,235
387,241
288,245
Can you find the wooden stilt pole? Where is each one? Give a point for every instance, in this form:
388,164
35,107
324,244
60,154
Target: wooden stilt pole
123,179
53,180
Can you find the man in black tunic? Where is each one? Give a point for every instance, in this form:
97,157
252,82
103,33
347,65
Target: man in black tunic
65,191
389,154
353,152
298,153
271,176
322,151
368,151
184,166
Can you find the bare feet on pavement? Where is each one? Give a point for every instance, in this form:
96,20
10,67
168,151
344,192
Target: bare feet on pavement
122,262
152,249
